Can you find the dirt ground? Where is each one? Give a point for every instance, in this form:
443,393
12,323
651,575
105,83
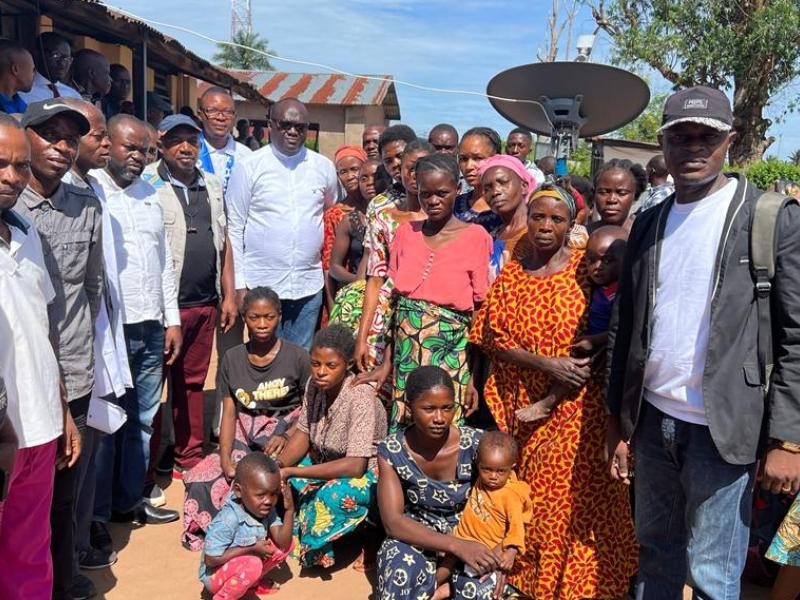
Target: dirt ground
153,565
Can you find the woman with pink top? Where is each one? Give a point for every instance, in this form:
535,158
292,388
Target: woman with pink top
440,271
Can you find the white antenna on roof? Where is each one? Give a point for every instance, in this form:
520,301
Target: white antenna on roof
241,17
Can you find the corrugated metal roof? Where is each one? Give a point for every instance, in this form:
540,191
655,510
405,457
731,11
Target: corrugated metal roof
325,88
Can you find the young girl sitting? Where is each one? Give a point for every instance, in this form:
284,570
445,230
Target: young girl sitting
498,508
604,256
247,538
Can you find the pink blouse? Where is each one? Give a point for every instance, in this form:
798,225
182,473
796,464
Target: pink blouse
454,276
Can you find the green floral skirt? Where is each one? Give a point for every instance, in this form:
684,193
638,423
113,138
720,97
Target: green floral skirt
347,306
427,334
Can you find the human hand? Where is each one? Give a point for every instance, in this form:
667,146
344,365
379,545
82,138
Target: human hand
507,557
377,376
228,469
618,452
477,557
361,355
8,447
287,473
288,499
572,372
583,346
276,444
69,444
471,398
264,548
239,298
229,311
173,340
781,472
536,411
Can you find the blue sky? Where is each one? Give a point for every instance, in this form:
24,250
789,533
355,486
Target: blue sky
458,44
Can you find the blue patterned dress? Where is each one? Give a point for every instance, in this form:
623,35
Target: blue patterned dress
406,572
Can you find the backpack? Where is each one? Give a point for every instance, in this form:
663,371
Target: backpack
763,234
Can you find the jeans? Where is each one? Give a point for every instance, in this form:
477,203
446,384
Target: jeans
62,511
122,458
692,511
299,319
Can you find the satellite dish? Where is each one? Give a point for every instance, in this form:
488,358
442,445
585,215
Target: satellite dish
571,100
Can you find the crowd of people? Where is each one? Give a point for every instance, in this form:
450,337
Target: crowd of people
436,350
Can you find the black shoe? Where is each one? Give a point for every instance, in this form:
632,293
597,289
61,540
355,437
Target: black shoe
99,537
144,514
82,588
94,559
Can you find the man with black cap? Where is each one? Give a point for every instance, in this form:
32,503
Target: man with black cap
686,386
194,220
69,221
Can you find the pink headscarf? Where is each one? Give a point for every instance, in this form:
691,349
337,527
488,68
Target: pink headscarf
349,150
513,164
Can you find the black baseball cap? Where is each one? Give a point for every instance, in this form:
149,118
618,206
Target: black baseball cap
700,104
44,110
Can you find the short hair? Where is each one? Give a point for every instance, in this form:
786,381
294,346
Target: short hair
424,379
9,52
486,132
635,170
213,90
445,163
658,166
419,144
498,440
9,121
396,133
261,293
242,122
84,59
442,128
48,40
187,110
336,337
521,131
124,119
116,68
255,462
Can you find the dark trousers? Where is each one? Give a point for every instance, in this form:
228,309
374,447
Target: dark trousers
185,379
62,512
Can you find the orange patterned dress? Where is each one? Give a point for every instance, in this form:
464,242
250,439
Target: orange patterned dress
580,542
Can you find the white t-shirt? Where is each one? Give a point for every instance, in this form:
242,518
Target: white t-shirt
681,319
27,361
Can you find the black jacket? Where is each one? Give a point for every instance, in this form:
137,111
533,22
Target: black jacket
738,414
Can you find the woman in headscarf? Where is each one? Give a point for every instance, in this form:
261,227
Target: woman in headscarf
348,160
478,144
580,541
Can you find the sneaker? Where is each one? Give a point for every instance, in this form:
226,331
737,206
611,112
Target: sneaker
82,588
155,496
100,537
94,559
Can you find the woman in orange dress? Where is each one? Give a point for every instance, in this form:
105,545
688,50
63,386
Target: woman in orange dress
580,542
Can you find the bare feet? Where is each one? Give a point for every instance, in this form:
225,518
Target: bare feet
535,412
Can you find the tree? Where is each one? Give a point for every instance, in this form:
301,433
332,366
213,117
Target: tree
555,29
794,157
644,128
751,47
235,57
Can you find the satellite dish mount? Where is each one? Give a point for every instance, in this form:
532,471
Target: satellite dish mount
566,120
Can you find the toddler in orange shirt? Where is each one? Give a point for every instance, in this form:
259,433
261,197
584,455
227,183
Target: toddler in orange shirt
498,508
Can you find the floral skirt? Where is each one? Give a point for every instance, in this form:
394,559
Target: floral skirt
427,334
328,510
348,305
785,547
205,485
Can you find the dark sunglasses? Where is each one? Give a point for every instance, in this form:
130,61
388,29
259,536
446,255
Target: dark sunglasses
288,125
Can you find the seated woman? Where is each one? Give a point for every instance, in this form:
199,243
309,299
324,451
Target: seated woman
426,473
263,382
330,458
348,263
440,271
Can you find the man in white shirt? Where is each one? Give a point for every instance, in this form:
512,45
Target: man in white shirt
275,200
53,57
219,152
149,303
36,399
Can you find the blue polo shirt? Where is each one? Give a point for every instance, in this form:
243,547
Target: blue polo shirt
12,105
233,526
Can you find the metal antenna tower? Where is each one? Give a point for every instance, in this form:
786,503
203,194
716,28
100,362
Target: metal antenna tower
241,17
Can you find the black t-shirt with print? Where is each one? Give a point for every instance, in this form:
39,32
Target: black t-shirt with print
279,385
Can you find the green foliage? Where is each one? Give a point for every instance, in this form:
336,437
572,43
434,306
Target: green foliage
234,57
580,163
794,157
644,128
767,172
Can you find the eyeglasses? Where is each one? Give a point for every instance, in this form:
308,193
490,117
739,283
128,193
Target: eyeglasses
57,57
218,112
288,125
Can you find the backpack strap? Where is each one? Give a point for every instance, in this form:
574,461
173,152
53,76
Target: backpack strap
763,234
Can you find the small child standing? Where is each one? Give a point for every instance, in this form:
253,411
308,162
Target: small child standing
498,508
604,255
247,538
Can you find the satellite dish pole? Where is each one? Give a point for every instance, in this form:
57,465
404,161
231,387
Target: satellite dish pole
241,17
